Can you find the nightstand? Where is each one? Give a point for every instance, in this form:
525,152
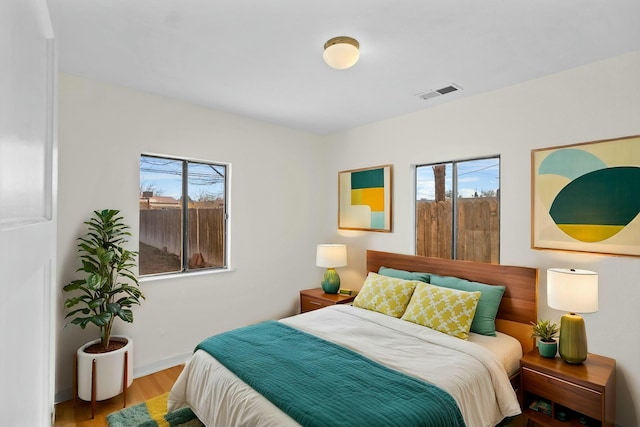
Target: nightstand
313,299
584,395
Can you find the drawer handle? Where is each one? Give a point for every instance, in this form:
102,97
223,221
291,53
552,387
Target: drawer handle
549,379
314,303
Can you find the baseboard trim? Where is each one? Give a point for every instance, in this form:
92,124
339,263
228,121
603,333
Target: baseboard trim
140,371
160,365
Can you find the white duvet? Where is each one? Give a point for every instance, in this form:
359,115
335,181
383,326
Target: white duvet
474,375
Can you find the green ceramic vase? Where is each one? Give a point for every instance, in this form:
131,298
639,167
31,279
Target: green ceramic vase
331,281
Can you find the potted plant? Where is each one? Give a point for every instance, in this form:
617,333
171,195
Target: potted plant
107,292
546,332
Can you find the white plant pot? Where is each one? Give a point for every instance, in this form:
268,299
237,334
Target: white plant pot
109,370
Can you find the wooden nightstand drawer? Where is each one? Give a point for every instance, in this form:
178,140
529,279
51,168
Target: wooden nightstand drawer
308,304
573,396
313,299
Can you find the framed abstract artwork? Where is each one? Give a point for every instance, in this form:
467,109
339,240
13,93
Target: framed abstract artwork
364,199
585,197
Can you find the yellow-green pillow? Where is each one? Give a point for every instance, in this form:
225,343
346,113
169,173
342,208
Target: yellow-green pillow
387,295
446,310
484,322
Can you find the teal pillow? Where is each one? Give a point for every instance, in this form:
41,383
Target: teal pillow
484,321
405,275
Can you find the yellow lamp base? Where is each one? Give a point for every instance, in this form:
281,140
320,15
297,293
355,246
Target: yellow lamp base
573,339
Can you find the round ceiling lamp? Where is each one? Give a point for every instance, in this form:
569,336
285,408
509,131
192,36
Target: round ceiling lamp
341,52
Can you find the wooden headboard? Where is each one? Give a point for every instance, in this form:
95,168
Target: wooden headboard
519,304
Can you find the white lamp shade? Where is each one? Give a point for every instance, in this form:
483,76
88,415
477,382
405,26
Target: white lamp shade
331,255
341,52
572,290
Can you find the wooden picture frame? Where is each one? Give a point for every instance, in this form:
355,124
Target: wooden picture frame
364,199
585,197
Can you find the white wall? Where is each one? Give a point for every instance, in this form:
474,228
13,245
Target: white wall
276,196
599,101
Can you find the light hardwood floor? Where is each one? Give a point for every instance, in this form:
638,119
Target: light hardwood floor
143,388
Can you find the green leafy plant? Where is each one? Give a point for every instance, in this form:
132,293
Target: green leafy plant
545,330
109,288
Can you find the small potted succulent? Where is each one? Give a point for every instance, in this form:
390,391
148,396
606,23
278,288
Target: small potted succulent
546,333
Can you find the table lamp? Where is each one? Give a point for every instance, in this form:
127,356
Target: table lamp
331,256
575,291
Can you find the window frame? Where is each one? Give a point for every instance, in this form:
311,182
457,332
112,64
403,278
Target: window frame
454,199
184,267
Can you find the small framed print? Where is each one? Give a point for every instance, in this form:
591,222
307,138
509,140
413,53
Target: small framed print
364,199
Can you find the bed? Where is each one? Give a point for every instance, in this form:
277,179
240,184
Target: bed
471,381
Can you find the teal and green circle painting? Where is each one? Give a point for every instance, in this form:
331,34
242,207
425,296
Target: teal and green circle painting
587,197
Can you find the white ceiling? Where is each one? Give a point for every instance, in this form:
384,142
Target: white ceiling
263,58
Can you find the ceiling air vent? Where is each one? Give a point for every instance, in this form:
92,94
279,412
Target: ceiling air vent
438,92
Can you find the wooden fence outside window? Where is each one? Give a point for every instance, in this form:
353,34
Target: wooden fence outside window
478,229
162,229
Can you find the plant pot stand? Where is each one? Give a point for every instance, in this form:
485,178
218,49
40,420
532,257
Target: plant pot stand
94,385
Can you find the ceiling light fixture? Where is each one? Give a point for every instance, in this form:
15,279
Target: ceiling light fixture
341,52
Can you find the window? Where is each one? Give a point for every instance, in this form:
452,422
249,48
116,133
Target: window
457,210
181,233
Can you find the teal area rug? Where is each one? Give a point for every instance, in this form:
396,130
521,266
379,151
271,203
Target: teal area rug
153,413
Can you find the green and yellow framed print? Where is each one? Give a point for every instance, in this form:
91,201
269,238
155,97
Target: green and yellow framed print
585,197
364,199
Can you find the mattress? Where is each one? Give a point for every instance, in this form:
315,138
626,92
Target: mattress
505,348
474,372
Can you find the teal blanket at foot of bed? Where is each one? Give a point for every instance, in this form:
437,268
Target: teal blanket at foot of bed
318,383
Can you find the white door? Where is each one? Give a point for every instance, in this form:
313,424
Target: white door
27,212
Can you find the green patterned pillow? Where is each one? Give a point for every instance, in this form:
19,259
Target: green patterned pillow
446,310
386,295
